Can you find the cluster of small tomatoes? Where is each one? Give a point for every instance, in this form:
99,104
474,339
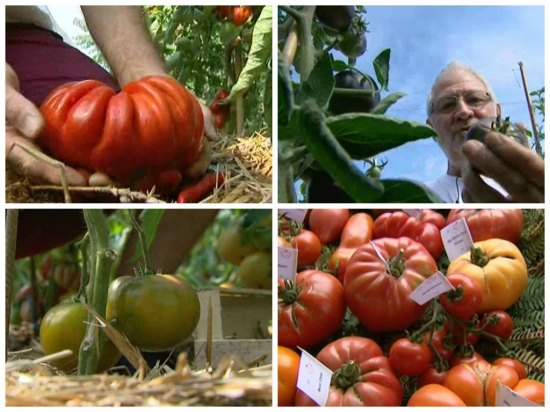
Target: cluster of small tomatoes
354,266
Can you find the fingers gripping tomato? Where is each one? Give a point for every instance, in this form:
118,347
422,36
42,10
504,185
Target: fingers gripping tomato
397,224
152,125
379,279
155,312
310,309
504,224
499,268
362,375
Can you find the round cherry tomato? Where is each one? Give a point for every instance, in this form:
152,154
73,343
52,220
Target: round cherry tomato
514,363
438,343
255,271
409,358
328,223
311,309
465,299
487,224
499,269
64,327
362,375
503,324
379,278
240,14
155,312
435,395
232,246
309,247
288,362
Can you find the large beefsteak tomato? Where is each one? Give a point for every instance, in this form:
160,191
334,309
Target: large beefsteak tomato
498,267
152,126
487,224
362,375
311,309
379,279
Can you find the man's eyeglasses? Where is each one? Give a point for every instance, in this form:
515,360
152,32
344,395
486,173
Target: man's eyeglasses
474,100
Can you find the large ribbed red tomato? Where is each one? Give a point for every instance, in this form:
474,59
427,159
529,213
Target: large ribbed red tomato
152,126
486,224
362,375
379,295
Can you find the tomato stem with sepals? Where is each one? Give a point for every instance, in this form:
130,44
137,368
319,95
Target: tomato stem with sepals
304,19
347,375
147,270
397,264
478,257
417,336
289,293
101,259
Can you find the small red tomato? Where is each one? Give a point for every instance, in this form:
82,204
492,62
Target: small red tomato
409,358
501,325
465,299
457,331
309,247
240,14
438,343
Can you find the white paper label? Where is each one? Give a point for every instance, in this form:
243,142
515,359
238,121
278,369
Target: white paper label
287,263
456,238
384,261
432,287
298,215
413,212
507,397
314,378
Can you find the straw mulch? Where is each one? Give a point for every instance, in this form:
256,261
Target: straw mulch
246,163
30,383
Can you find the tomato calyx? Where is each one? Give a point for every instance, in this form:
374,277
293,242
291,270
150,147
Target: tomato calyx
397,264
289,292
478,257
347,375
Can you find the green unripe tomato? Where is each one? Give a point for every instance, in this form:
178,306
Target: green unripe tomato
64,327
155,312
255,271
232,246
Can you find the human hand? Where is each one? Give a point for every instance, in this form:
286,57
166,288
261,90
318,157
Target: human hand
516,168
199,168
23,124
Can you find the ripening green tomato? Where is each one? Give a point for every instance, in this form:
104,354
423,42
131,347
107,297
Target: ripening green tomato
255,271
231,245
64,327
155,312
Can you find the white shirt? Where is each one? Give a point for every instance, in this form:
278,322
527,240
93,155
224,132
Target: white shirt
38,15
449,188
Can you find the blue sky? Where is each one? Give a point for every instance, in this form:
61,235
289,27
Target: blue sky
424,39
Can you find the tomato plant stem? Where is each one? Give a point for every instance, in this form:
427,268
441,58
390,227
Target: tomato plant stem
11,236
143,244
303,20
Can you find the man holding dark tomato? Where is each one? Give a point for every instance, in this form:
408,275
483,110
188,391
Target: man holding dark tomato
37,60
498,170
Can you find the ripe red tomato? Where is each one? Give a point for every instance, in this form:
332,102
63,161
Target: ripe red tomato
433,217
310,309
356,232
431,375
240,15
328,224
438,343
457,332
503,326
397,224
504,224
155,312
380,297
465,300
288,363
223,12
151,126
309,247
409,358
362,375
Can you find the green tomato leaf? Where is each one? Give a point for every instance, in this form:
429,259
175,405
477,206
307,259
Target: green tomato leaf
407,191
268,101
285,91
387,102
259,55
339,65
320,82
371,134
149,220
382,68
291,130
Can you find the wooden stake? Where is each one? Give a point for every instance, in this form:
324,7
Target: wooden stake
530,108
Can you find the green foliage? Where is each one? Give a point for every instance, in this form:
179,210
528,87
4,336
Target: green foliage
86,43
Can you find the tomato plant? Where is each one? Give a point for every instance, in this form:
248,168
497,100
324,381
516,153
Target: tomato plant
155,312
328,224
288,363
309,247
310,309
465,299
379,279
409,358
362,375
153,125
64,327
498,267
487,224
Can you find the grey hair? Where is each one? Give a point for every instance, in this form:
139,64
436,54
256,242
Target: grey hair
456,65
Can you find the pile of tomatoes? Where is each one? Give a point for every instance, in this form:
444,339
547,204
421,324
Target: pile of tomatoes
350,305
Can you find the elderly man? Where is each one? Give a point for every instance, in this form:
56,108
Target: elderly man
511,172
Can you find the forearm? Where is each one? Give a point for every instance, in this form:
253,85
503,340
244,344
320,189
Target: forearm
123,37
